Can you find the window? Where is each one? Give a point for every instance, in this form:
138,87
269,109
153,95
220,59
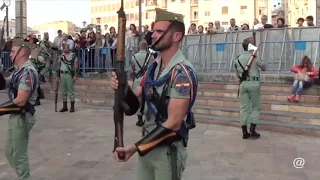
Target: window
173,0
262,11
224,23
195,14
224,9
182,1
207,13
242,9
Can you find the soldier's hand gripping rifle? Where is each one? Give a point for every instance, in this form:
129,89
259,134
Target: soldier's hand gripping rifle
245,72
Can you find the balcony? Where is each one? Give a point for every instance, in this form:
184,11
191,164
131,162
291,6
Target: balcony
151,5
194,2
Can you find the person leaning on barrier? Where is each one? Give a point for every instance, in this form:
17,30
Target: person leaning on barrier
68,65
305,73
170,88
22,85
249,92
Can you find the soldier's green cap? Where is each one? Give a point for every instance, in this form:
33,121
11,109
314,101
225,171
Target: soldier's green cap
163,15
21,43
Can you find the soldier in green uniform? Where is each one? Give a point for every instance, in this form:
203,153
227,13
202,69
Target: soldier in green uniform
68,65
249,92
170,88
137,63
22,84
45,55
39,64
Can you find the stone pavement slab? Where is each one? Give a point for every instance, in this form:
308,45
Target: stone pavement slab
78,146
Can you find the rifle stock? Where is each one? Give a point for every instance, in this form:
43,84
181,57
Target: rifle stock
245,73
57,89
56,96
122,79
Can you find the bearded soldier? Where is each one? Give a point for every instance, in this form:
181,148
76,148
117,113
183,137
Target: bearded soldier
170,88
22,84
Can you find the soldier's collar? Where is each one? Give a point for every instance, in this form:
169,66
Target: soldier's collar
247,52
177,58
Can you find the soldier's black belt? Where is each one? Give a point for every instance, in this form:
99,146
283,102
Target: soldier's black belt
252,79
64,72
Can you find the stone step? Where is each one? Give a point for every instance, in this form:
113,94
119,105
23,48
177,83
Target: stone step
288,117
265,87
228,102
263,124
265,95
312,108
102,85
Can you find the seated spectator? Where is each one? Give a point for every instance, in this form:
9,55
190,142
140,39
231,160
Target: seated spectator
305,73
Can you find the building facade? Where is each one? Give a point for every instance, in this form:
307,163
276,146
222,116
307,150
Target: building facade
53,27
295,9
12,28
200,12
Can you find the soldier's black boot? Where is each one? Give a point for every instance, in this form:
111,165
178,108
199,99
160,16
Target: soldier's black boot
253,133
140,122
72,107
37,101
42,79
65,107
245,133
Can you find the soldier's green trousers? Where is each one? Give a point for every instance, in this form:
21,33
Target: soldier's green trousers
47,66
156,165
67,87
249,102
16,150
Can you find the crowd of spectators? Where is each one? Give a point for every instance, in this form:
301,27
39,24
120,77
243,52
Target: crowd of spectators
216,26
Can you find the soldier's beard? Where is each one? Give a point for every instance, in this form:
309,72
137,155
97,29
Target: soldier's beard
162,47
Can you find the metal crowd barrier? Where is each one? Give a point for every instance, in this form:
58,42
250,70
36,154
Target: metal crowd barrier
279,56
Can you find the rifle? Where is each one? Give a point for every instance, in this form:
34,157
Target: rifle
57,90
122,79
245,72
2,42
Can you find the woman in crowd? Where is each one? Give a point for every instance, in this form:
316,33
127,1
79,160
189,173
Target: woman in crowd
111,40
305,73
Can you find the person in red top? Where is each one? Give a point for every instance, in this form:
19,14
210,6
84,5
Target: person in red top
305,68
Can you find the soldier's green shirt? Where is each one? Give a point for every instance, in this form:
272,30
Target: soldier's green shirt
69,58
173,90
255,68
138,58
26,80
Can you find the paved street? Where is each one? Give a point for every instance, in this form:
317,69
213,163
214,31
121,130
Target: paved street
78,146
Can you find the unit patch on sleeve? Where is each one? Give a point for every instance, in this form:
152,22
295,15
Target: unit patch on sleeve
182,84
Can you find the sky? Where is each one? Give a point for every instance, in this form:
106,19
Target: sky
43,11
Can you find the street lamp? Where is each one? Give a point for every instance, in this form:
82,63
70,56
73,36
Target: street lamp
7,3
84,23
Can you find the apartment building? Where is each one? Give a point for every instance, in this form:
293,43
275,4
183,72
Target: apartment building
53,27
295,9
200,12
